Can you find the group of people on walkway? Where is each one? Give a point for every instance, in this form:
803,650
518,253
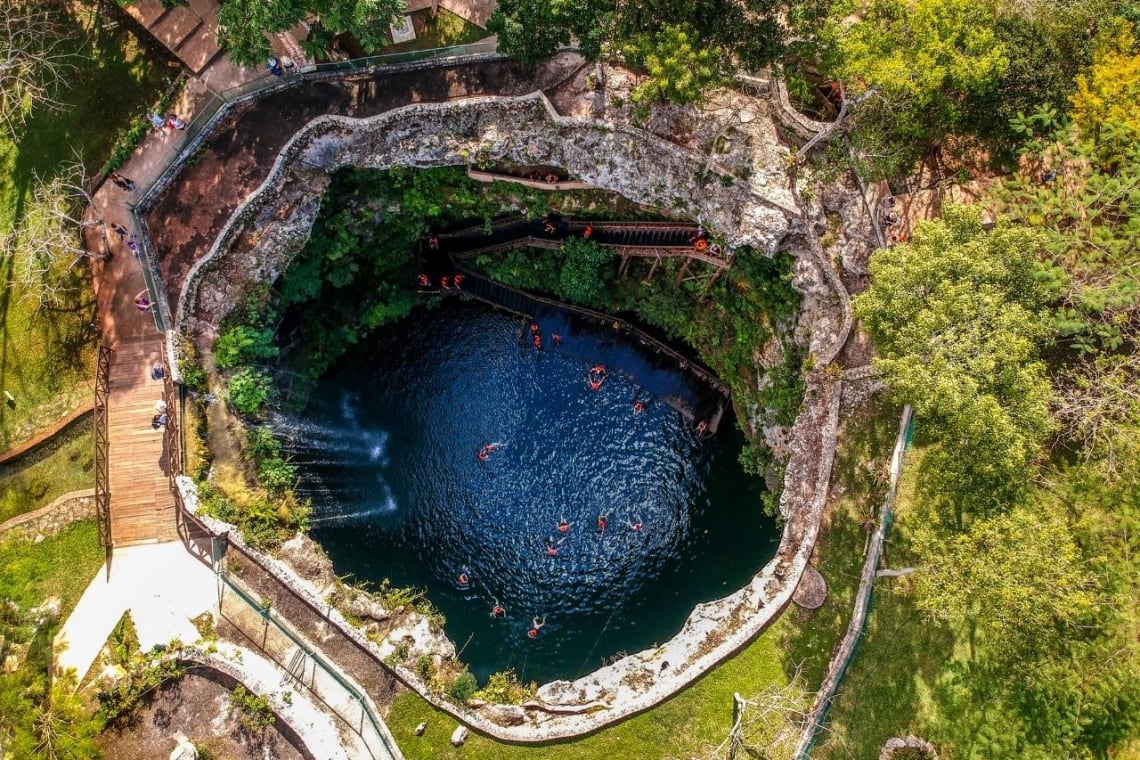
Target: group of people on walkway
450,283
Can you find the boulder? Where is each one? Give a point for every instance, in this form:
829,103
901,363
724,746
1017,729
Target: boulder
459,736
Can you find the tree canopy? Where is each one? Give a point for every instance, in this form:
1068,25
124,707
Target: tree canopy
243,24
957,315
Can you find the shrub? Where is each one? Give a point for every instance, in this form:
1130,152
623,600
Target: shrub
504,688
253,712
462,688
244,344
584,271
249,391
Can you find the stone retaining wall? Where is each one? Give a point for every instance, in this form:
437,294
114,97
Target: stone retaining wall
49,520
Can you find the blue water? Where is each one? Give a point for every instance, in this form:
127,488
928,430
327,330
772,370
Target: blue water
388,454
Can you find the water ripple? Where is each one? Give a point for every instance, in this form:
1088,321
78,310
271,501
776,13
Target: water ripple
388,454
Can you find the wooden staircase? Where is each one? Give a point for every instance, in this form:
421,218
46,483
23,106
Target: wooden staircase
142,506
189,31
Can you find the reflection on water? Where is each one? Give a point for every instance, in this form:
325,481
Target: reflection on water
389,456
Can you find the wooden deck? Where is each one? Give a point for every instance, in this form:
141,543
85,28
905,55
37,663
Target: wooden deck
142,506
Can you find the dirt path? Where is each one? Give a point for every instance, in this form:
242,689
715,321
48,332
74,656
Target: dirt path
187,218
196,706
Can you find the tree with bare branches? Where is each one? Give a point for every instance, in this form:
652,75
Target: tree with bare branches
36,54
50,240
766,725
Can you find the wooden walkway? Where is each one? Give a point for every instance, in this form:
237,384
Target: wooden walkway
142,506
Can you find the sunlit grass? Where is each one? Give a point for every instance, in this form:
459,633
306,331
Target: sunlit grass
40,477
59,566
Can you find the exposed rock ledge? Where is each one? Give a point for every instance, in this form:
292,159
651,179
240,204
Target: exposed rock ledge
274,224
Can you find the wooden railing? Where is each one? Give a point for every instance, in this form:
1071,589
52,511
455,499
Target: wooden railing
102,446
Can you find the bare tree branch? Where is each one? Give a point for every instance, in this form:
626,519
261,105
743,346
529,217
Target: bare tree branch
36,55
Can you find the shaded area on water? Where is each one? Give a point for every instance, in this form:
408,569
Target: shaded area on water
388,453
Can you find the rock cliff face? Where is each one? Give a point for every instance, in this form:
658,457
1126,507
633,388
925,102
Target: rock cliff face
738,189
274,223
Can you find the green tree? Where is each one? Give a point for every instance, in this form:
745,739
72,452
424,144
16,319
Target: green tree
1089,221
1017,577
680,66
529,30
586,267
244,24
957,317
925,59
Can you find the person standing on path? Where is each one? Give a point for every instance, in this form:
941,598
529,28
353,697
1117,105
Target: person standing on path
122,182
155,120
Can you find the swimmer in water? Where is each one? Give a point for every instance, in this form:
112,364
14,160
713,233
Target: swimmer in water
635,523
556,339
602,524
563,526
463,578
638,407
497,609
536,626
702,427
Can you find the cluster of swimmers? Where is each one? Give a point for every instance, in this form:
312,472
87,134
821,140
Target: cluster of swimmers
463,579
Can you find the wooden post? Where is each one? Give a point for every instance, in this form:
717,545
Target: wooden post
624,268
712,280
652,269
681,274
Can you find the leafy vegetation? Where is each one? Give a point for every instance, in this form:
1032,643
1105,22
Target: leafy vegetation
1023,577
263,522
243,24
957,317
33,709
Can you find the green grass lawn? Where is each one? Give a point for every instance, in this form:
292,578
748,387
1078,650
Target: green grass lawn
696,720
903,661
445,30
57,468
47,360
59,566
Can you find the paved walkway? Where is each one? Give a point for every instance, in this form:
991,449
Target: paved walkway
162,585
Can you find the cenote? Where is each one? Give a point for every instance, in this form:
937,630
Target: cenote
387,451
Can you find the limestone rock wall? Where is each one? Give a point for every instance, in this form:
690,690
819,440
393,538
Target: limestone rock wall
274,223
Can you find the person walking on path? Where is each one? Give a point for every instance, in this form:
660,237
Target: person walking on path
122,183
155,120
174,122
